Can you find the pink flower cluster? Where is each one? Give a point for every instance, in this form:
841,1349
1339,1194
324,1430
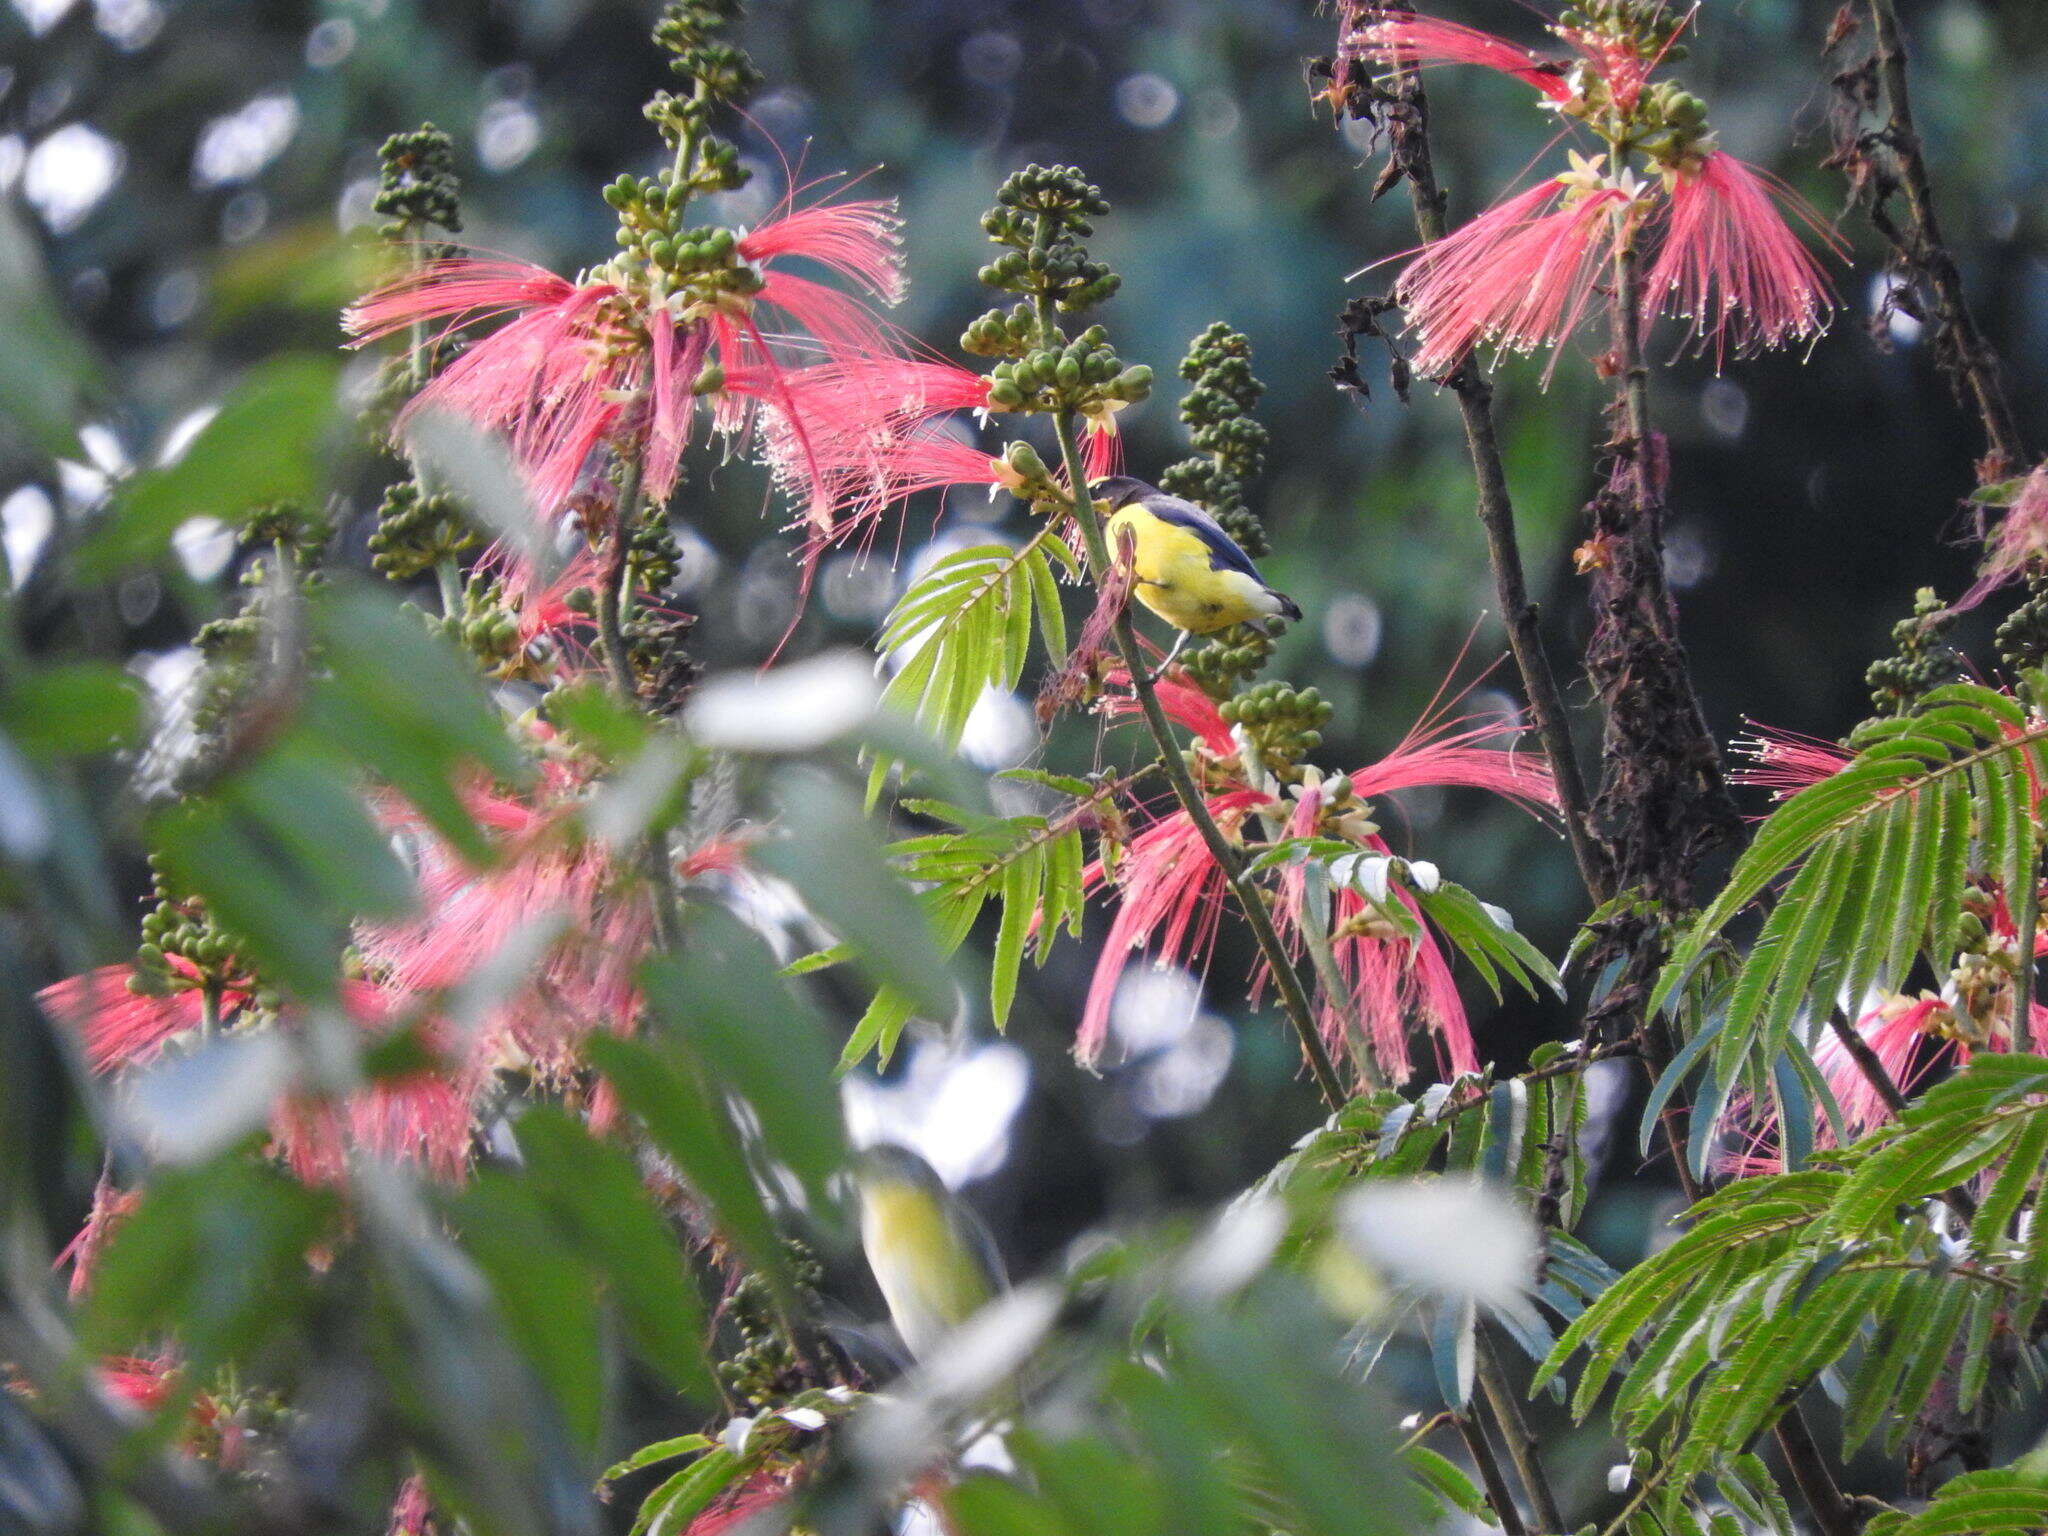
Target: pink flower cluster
1522,275
1171,890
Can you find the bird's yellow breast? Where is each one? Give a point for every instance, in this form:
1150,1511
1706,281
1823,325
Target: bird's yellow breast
1176,580
930,1283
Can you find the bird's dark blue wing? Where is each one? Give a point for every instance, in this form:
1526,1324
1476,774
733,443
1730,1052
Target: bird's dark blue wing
1224,555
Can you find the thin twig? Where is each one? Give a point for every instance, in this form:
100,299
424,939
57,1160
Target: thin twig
1921,246
1516,1435
1831,1512
1498,1493
2029,934
1867,1063
1408,129
614,592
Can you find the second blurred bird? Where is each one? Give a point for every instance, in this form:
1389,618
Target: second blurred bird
932,1256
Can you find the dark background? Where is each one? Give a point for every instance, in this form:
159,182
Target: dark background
1810,496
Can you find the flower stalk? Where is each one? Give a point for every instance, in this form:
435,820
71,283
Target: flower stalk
1294,999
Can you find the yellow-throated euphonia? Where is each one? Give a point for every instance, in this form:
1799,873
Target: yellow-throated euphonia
1185,567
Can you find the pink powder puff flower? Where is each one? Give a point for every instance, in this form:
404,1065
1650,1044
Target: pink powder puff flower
1102,448
111,1205
1395,981
1785,762
146,1382
423,1119
1476,753
558,377
546,868
1393,38
426,1119
1398,981
1171,892
1895,1031
865,427
1519,276
2018,545
412,1512
1730,264
1186,705
1910,1037
119,1026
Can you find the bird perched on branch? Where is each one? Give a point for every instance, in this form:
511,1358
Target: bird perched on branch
1184,567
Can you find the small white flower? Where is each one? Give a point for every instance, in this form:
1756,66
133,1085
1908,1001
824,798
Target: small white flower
1620,1477
1424,876
734,1436
804,1418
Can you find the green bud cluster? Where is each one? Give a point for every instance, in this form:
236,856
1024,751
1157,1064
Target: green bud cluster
1230,443
766,1368
653,553
1001,333
416,184
1084,375
664,672
1924,659
1043,214
303,531
704,260
720,75
181,927
1284,723
2023,638
229,643
416,530
485,626
688,32
1230,658
1672,125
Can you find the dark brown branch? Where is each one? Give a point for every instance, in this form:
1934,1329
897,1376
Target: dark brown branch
1867,1063
1663,801
1922,251
1516,1435
1817,1486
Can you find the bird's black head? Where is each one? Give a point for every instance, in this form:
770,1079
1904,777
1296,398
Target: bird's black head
1120,490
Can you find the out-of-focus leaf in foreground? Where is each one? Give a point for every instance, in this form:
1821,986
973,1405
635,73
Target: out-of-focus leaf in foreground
264,445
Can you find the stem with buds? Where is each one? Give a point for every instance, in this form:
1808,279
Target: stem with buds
1294,999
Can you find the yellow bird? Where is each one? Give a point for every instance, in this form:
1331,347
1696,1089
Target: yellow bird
1185,567
935,1261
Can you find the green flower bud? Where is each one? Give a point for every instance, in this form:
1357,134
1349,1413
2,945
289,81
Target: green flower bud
1024,459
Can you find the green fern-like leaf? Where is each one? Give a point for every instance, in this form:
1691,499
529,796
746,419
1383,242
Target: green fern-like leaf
1031,866
966,626
1877,857
2005,1501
